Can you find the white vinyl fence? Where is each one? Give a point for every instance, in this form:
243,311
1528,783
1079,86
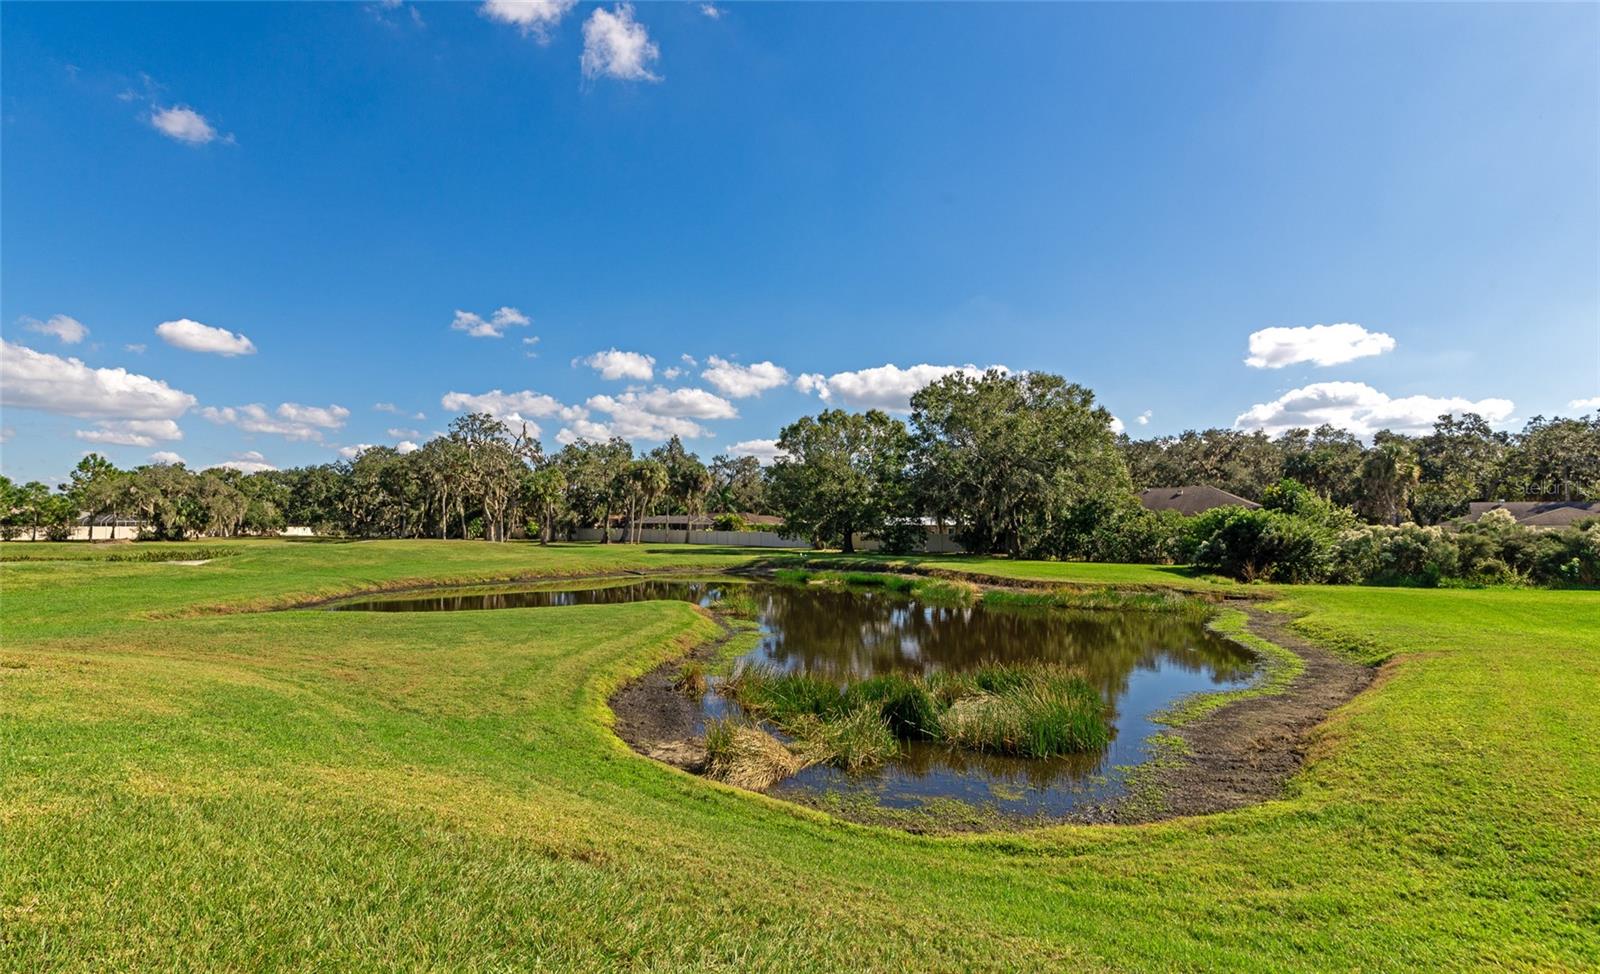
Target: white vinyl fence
737,539
938,542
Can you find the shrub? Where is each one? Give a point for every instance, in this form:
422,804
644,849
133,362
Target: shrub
1404,555
1289,496
1260,544
1114,528
729,522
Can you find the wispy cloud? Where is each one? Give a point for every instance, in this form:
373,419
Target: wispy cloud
492,327
617,46
183,124
69,330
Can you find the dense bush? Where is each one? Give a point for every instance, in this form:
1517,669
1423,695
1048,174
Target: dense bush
1119,528
729,522
1307,540
1404,555
1260,545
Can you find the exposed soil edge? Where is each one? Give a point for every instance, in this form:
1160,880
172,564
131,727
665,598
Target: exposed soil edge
1245,751
1241,753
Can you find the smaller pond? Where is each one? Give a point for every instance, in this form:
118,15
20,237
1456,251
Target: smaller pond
1139,662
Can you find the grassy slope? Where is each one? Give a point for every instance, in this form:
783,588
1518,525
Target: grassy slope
364,791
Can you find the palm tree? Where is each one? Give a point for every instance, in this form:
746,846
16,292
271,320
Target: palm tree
696,484
648,480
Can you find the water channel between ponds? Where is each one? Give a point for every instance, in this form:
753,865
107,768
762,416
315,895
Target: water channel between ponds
1140,662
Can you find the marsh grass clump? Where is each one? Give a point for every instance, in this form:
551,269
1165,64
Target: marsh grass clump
691,678
793,576
1032,711
747,756
857,740
737,603
945,591
766,692
1040,718
1176,603
904,704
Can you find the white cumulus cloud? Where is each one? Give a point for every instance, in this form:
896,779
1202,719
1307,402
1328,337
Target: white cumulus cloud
195,337
615,364
1361,409
290,420
406,446
183,124
887,387
492,327
1274,348
764,450
632,420
617,46
1583,405
249,461
512,407
39,380
534,18
68,329
742,381
1143,419
165,456
693,403
131,432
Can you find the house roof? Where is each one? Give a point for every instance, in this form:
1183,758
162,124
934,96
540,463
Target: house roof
1536,514
1191,500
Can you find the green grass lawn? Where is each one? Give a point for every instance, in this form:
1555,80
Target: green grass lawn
182,788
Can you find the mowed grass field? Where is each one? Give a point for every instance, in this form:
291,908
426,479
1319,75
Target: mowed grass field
187,788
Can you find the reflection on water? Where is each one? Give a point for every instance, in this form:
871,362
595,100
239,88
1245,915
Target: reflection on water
1141,662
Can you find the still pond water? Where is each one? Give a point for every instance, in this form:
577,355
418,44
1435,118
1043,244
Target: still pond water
1141,662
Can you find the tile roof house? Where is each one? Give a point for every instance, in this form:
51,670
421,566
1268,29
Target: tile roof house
1536,514
1191,500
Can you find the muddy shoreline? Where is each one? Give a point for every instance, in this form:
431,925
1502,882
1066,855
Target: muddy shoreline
1239,754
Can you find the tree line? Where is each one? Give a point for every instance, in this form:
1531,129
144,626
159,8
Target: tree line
1024,464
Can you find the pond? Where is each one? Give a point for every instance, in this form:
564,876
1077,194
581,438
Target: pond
1140,663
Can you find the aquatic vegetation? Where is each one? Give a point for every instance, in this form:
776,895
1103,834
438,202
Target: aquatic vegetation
1024,710
857,740
747,756
691,678
736,602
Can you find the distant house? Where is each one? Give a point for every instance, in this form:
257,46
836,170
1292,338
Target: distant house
1191,500
1536,514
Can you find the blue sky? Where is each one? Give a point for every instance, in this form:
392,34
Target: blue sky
1124,194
